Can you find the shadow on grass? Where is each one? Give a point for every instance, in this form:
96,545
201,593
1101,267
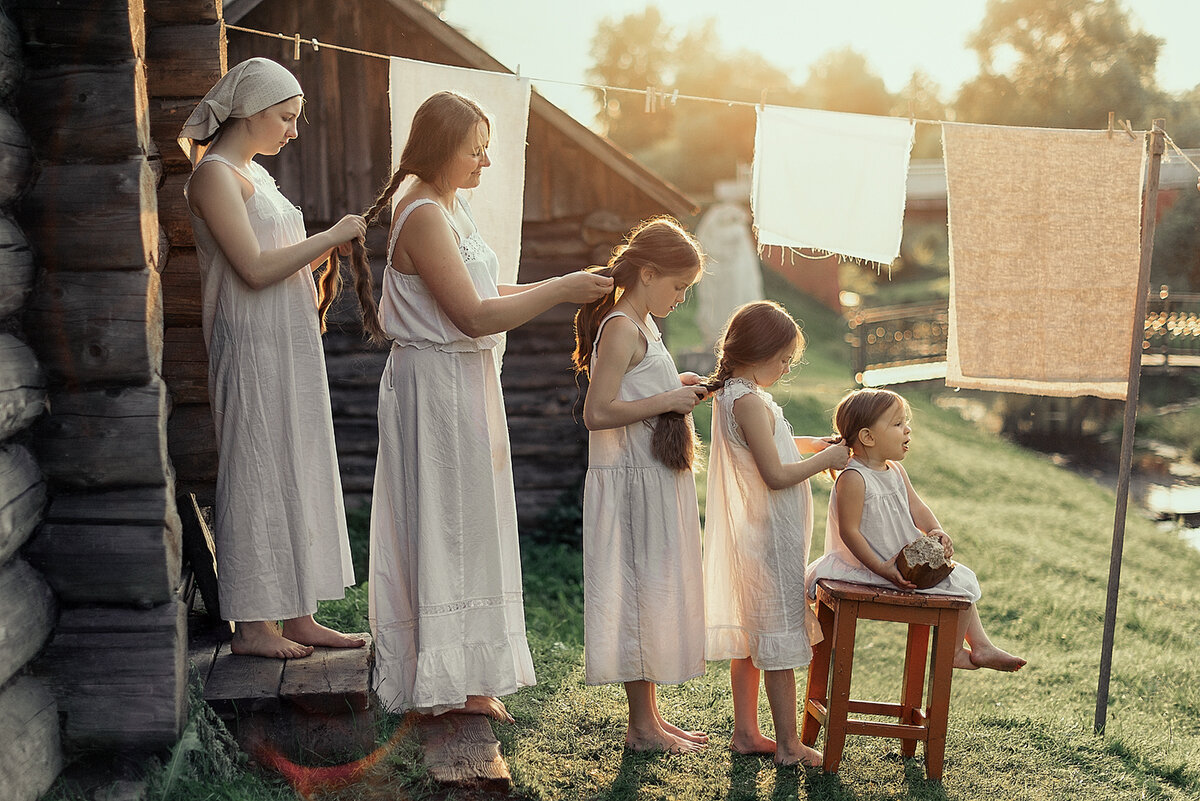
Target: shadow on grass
743,776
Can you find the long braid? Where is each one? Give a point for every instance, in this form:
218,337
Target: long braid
364,284
329,286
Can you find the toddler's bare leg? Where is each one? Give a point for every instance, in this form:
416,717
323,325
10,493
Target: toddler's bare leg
307,631
983,653
262,638
747,737
781,693
645,733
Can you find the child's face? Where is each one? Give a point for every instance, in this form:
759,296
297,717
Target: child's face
666,291
769,371
890,434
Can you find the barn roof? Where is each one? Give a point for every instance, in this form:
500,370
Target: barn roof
620,162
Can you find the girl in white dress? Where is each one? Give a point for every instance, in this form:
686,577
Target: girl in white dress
279,526
643,605
445,594
758,528
874,512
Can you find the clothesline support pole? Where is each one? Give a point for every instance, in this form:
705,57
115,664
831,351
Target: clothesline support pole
1149,212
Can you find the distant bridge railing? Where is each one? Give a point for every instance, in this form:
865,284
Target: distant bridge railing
899,344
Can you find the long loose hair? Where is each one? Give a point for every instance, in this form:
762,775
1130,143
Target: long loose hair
755,332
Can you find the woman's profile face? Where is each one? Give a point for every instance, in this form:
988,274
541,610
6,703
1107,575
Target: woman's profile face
465,167
275,126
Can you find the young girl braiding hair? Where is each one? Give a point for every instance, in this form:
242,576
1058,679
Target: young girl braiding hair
758,529
643,609
874,512
445,594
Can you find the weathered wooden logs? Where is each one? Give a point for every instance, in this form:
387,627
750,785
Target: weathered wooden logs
81,31
119,546
30,753
22,386
93,112
119,675
98,328
180,59
22,498
16,158
16,268
185,365
174,12
27,609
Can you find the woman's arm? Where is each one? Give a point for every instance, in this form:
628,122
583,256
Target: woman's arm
757,425
430,246
619,348
216,196
851,492
813,444
922,516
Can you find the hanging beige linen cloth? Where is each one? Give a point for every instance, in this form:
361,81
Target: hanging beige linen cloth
1044,250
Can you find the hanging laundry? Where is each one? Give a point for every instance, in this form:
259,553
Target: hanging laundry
1044,252
498,203
831,182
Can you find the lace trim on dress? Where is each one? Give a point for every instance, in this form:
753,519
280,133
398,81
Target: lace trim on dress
471,603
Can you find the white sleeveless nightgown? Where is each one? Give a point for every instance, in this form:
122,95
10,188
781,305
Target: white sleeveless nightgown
642,574
756,542
446,604
887,527
280,524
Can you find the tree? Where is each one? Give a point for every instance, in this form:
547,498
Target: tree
635,52
1060,64
843,81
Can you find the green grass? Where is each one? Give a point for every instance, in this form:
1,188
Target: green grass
1038,536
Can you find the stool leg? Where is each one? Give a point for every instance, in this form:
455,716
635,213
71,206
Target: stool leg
845,622
915,655
818,676
940,675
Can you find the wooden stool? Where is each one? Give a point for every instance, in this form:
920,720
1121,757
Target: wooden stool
840,605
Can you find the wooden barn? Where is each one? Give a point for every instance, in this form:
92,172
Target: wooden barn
105,425
581,195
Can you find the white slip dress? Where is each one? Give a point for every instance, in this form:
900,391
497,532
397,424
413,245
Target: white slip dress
887,526
446,605
642,574
756,543
279,523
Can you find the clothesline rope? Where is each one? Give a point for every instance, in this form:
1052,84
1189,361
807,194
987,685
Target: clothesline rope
654,96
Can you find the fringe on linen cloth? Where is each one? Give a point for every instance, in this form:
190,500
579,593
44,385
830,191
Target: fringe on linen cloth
1045,229
830,183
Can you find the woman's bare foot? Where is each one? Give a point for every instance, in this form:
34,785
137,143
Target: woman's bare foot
995,658
307,631
962,660
753,743
656,739
262,638
797,753
486,705
700,737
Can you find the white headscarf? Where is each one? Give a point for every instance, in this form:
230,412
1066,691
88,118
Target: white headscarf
248,88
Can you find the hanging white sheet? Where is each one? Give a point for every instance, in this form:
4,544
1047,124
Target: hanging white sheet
831,182
498,203
1044,251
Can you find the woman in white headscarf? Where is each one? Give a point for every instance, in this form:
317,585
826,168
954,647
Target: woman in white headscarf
280,526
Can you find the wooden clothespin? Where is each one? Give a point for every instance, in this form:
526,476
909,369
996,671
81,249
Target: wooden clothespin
316,45
674,97
296,47
912,117
762,100
650,107
1129,129
1111,115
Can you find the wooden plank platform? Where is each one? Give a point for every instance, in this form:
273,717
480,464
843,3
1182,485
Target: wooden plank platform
462,750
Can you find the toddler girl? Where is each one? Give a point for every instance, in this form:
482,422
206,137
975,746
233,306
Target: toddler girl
874,512
643,609
758,529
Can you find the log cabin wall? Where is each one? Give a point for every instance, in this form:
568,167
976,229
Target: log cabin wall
30,748
109,544
581,196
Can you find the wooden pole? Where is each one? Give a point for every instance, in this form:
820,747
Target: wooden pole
1149,211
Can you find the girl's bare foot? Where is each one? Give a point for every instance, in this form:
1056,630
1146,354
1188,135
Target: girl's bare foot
797,753
307,631
700,737
962,660
486,705
262,638
753,743
995,658
658,740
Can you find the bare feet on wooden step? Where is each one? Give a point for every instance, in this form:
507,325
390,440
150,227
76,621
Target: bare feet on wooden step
262,638
486,705
307,631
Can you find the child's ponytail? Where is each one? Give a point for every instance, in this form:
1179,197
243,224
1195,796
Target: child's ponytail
589,317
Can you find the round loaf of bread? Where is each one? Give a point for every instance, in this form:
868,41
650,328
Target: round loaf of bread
923,562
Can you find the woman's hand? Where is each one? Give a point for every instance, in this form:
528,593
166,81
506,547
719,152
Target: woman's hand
583,287
346,230
834,457
684,399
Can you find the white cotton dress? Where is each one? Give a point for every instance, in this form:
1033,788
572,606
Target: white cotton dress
446,606
642,574
887,526
279,523
756,542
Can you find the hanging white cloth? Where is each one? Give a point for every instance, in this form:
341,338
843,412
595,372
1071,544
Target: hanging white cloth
831,182
1045,243
498,203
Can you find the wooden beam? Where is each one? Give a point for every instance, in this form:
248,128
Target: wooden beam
177,12
22,498
31,750
193,447
182,301
16,159
81,31
185,60
167,116
22,386
185,365
16,268
27,609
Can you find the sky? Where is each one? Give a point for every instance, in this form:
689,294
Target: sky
551,39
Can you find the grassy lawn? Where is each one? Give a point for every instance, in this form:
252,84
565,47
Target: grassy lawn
1038,537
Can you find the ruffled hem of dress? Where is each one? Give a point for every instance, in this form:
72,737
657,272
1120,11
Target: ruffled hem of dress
508,666
785,651
843,571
